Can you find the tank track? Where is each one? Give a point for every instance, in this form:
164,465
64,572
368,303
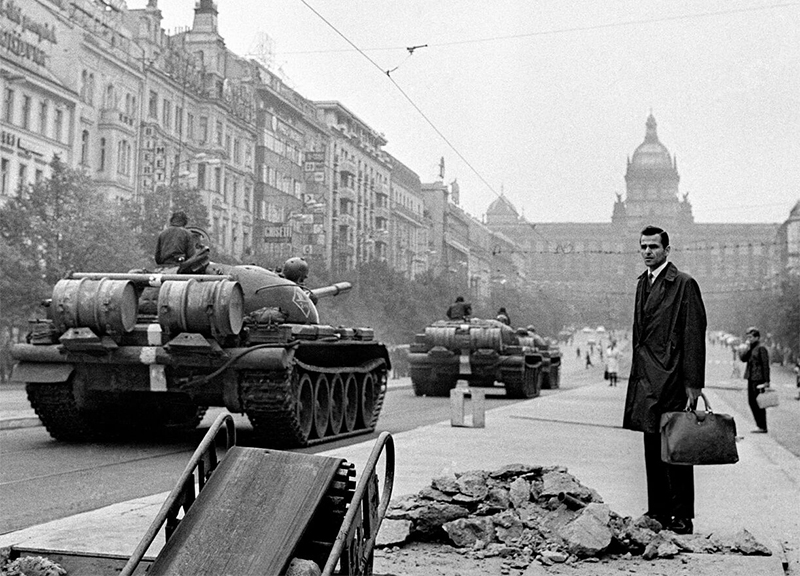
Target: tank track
55,406
64,420
270,400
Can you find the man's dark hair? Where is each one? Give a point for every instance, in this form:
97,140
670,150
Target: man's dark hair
179,218
653,230
459,298
754,331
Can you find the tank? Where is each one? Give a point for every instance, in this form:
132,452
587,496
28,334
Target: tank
550,372
138,353
485,353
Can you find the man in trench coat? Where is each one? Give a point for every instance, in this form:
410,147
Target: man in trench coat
667,373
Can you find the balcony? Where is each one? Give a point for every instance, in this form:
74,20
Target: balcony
347,193
348,167
111,117
382,212
347,220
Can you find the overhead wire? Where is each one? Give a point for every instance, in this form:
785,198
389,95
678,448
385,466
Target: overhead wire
589,28
407,97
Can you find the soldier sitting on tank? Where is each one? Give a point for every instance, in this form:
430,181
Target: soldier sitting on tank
502,316
296,270
459,310
175,244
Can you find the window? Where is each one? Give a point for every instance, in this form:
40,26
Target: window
190,126
22,179
102,164
219,132
84,147
43,118
58,125
179,120
152,107
109,100
235,193
90,90
166,113
8,106
218,179
201,176
247,200
228,145
203,129
237,151
39,174
123,158
26,112
5,166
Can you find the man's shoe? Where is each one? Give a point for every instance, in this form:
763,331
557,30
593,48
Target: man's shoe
758,431
681,526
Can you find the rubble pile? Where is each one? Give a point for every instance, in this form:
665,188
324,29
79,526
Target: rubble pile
29,566
525,513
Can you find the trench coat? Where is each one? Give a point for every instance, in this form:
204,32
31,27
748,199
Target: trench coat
669,348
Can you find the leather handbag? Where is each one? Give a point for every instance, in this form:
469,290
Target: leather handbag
767,399
698,437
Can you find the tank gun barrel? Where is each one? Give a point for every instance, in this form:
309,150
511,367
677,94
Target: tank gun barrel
332,290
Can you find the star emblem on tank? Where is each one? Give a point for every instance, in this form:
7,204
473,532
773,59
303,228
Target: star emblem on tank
301,301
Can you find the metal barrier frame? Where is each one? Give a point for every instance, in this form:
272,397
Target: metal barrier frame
205,461
362,521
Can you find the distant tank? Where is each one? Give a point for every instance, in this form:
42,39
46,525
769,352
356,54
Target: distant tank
482,352
550,373
126,354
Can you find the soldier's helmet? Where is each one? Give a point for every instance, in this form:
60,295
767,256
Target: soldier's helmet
295,269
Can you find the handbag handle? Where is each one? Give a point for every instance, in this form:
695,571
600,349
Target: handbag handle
690,408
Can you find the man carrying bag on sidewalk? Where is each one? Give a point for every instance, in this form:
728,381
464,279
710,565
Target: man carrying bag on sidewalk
667,373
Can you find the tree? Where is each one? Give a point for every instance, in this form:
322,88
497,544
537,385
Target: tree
60,224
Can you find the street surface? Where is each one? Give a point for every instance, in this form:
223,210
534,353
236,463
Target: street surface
41,480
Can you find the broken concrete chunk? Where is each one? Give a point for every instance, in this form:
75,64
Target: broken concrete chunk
473,484
508,526
747,544
497,498
512,470
519,492
588,534
300,567
446,484
429,519
466,532
393,532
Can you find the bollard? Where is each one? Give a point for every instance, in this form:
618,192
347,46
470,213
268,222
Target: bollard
457,404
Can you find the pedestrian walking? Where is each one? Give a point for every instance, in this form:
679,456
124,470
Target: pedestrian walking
612,362
588,360
667,373
755,355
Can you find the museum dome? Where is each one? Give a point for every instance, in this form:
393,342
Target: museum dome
651,154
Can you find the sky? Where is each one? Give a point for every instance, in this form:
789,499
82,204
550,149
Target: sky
544,100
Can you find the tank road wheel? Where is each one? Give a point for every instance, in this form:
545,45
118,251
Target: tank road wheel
350,402
367,408
305,406
337,404
555,377
322,405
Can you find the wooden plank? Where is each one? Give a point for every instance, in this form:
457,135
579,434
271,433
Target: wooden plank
250,516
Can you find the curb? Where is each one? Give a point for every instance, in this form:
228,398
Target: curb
13,423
